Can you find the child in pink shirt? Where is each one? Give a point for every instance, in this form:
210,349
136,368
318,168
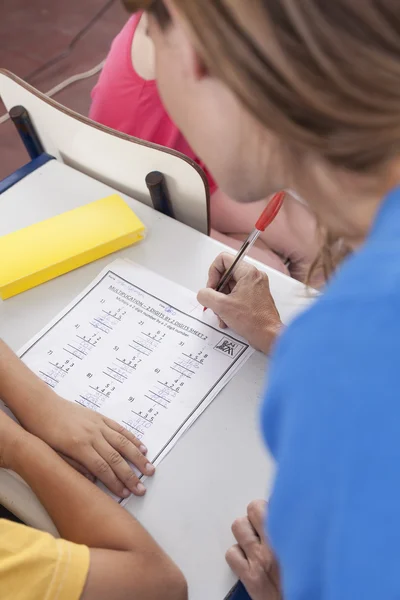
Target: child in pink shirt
126,99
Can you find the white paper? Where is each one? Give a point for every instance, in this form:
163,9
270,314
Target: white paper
138,349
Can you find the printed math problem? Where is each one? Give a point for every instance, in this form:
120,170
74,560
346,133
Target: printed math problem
131,348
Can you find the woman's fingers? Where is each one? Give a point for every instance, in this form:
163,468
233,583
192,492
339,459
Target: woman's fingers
249,309
256,515
252,559
218,268
245,535
237,560
220,265
120,429
222,324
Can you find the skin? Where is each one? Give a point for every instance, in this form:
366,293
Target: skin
95,445
251,558
125,562
290,244
236,304
253,168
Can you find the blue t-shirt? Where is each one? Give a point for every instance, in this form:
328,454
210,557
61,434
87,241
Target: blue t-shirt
331,419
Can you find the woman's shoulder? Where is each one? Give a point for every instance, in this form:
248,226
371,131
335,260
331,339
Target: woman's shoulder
348,339
342,350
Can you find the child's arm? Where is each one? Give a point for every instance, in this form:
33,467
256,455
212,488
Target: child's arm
99,444
125,562
142,51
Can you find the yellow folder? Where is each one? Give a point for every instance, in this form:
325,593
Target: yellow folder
40,252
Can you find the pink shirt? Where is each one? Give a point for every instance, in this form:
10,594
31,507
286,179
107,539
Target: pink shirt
128,103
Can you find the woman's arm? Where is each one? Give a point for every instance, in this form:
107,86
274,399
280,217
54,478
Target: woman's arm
125,561
99,444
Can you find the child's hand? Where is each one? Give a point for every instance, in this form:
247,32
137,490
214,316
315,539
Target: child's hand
99,444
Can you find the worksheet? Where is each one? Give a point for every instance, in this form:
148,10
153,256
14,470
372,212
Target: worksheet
138,349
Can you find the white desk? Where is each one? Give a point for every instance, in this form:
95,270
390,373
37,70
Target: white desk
220,465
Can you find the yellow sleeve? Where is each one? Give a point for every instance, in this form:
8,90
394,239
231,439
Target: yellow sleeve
36,566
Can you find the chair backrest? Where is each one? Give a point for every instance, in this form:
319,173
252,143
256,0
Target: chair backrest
111,157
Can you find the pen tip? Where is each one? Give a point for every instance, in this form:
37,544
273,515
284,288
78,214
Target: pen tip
204,309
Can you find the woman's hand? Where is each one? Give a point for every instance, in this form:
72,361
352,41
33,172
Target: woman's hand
99,444
252,559
246,306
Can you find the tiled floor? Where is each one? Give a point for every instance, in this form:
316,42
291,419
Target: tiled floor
33,32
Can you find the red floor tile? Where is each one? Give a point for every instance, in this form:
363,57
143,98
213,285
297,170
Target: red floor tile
33,32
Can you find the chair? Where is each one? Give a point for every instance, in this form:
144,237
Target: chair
111,157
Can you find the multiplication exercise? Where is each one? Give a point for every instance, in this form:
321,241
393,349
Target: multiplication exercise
134,347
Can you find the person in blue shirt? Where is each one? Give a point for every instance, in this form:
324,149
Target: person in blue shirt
305,95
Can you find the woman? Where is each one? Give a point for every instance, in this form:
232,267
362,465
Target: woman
126,98
306,94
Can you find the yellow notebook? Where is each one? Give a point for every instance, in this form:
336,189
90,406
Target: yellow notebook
45,250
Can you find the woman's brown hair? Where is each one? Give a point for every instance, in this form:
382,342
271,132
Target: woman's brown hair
323,75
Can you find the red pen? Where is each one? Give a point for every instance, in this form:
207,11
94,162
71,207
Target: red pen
267,216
